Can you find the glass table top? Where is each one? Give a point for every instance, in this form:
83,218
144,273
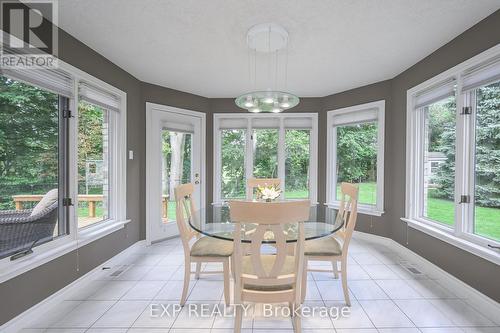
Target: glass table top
216,222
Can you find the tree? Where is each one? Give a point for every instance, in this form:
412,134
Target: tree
357,152
487,147
29,127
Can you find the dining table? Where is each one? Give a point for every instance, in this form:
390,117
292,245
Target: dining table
215,221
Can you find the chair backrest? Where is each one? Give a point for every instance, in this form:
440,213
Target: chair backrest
253,183
185,209
268,217
348,212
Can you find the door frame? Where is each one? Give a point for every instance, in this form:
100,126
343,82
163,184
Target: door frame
150,108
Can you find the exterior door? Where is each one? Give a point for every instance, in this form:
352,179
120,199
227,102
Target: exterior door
174,154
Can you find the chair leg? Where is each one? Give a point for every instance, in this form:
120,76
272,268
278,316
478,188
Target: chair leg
225,265
232,267
303,287
187,277
198,269
238,318
343,271
335,269
297,325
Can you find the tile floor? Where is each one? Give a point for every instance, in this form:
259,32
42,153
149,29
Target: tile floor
386,298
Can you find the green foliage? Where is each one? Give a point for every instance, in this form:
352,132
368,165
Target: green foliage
488,146
297,161
29,127
233,163
91,121
265,164
441,123
357,153
487,158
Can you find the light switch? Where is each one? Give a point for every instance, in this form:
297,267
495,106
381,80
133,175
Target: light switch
130,154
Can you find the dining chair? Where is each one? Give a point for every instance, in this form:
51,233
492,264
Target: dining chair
253,183
334,248
263,277
199,249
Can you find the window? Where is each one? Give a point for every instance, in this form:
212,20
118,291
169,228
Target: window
297,145
487,161
31,130
265,146
233,185
355,154
93,164
98,162
176,168
439,181
62,164
453,160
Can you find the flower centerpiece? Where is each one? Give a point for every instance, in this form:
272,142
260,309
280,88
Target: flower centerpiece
268,192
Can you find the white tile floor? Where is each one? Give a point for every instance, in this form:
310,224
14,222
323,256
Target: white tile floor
386,298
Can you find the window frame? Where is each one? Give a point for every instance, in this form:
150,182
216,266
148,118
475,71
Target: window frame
331,153
462,233
76,237
313,150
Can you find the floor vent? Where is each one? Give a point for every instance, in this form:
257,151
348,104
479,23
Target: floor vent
119,271
414,271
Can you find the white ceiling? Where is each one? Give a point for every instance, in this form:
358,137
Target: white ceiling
198,46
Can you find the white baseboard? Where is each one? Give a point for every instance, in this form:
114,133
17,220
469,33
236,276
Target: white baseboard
24,319
484,304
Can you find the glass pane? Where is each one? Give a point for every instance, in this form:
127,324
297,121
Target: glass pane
297,164
176,168
487,162
265,153
439,161
93,164
357,159
29,134
233,163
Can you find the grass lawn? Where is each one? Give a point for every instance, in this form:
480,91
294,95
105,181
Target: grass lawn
487,218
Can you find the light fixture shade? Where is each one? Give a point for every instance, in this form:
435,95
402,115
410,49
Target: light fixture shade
266,101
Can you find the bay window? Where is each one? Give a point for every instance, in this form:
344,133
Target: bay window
265,146
453,155
356,154
62,164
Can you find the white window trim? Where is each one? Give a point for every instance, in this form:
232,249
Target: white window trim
331,155
118,184
313,157
457,235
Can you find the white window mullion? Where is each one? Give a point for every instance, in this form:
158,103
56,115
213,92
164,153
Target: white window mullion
468,174
217,163
73,164
249,157
313,161
461,163
369,113
281,156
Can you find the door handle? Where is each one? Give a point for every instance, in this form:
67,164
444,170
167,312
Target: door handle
196,182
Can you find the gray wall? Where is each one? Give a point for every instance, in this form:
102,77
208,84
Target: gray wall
31,287
481,274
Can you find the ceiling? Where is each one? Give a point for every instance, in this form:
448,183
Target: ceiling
199,46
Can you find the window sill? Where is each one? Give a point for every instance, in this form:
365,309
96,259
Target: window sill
445,236
56,248
224,203
366,210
